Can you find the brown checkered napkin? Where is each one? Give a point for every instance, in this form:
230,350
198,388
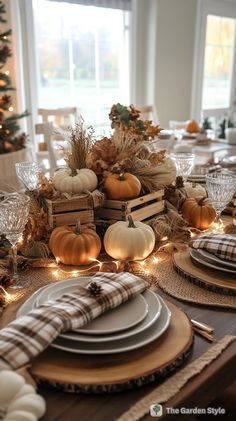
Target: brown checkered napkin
221,245
29,335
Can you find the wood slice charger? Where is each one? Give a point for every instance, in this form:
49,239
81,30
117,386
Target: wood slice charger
211,279
113,373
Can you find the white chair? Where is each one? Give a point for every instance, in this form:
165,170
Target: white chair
60,117
46,130
149,112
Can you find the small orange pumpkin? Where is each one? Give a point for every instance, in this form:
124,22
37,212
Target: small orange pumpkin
122,186
73,246
198,212
192,127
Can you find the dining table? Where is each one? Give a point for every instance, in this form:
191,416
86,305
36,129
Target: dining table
199,392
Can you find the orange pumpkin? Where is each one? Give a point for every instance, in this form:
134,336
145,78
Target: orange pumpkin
73,246
192,127
122,186
198,212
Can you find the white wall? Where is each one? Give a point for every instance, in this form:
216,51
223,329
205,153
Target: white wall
174,59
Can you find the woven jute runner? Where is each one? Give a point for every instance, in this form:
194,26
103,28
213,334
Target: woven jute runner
172,386
160,271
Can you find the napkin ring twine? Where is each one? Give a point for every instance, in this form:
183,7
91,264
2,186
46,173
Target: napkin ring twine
94,289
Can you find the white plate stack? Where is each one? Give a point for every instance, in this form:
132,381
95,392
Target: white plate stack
130,326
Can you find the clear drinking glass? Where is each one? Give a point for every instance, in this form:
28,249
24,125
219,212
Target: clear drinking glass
28,173
14,211
184,162
220,188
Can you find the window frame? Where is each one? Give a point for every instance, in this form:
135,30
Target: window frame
223,8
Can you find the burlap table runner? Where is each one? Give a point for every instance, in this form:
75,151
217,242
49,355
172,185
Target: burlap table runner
159,270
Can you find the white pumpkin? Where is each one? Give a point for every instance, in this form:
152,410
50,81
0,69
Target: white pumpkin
18,400
75,181
194,190
129,240
166,172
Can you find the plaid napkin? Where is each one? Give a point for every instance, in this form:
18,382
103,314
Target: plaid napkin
29,335
221,245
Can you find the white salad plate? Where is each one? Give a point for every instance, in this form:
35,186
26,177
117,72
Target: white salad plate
214,259
198,258
154,311
122,345
123,317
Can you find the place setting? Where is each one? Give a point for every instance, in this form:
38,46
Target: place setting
143,329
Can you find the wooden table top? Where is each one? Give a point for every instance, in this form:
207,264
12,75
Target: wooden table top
199,391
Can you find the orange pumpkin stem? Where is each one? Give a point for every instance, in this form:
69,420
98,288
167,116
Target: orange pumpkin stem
131,222
121,177
78,228
201,201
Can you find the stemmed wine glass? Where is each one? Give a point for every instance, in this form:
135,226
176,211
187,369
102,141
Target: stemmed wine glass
220,188
28,173
14,211
184,162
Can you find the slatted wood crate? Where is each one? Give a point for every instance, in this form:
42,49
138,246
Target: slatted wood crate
68,211
141,209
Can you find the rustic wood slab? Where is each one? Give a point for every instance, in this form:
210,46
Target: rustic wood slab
87,373
201,275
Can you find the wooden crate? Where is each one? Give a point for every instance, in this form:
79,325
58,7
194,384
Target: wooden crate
69,211
141,209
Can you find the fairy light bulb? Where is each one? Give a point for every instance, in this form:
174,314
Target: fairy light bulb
7,72
10,109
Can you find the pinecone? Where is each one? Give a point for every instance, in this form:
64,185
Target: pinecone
94,289
179,182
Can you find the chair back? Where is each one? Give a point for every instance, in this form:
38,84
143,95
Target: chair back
149,112
61,117
46,129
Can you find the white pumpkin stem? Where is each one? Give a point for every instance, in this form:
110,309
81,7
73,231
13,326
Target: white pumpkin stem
78,228
73,172
131,222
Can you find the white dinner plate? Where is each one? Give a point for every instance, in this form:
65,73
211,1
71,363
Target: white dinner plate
216,260
154,311
122,345
123,317
198,258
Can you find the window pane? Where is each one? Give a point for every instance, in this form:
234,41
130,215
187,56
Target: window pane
218,65
82,58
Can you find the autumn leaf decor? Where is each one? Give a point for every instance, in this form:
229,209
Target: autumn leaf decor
128,151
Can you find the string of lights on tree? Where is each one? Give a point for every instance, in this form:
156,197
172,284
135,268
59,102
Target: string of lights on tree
10,139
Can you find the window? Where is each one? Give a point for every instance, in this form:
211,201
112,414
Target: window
218,63
82,56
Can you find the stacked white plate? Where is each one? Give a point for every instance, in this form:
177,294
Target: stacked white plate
132,325
211,261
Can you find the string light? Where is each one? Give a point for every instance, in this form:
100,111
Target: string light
9,297
10,109
7,72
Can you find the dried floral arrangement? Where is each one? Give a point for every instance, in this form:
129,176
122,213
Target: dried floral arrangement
128,150
81,140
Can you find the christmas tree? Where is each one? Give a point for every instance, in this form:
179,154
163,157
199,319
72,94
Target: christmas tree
9,139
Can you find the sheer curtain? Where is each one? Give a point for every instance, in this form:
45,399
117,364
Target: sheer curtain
142,51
